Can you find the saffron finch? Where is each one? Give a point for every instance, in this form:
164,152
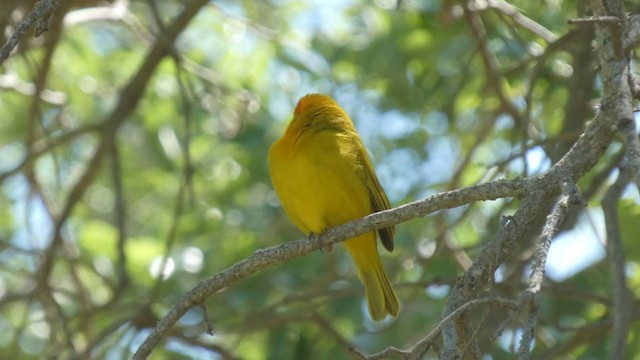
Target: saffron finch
324,178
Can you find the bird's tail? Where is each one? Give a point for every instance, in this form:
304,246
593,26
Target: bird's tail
381,298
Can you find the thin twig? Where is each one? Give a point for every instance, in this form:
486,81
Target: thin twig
595,20
43,147
522,20
186,103
530,297
428,340
421,347
491,63
120,213
326,326
615,252
205,319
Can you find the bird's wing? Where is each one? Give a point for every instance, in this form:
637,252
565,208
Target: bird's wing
378,197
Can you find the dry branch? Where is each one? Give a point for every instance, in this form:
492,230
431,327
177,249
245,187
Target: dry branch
39,15
615,252
574,165
530,297
264,258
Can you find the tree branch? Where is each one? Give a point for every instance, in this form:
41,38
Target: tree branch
420,348
265,258
632,149
522,20
582,156
633,32
530,297
128,101
615,253
595,20
39,15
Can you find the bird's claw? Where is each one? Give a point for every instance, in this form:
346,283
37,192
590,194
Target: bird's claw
317,238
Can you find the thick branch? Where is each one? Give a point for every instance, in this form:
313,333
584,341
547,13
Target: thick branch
632,149
633,32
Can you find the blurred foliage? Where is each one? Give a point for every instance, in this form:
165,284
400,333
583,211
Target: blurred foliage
186,182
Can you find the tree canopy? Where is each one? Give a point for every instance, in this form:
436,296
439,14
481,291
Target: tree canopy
133,176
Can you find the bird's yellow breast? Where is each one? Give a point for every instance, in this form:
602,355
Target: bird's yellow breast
316,177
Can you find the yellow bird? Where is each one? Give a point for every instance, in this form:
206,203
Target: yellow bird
324,178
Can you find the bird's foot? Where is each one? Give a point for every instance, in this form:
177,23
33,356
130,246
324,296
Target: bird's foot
317,238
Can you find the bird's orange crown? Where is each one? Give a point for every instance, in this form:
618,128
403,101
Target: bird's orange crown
308,100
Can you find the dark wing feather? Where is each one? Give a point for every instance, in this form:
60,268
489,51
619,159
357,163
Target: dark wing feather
378,197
